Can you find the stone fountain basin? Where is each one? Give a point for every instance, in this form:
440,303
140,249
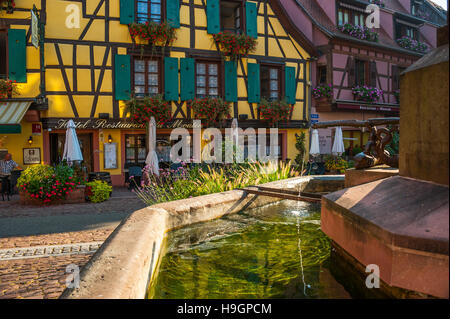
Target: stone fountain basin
127,261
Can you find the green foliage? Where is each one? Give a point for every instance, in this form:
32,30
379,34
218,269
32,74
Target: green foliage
98,191
212,109
336,163
196,181
274,111
356,150
300,146
35,173
393,146
142,109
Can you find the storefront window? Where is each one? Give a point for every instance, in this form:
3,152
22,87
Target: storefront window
135,149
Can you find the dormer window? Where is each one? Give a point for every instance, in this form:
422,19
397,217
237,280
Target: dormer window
351,14
405,29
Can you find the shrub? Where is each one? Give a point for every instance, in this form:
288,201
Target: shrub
142,109
98,191
47,183
212,109
274,111
336,163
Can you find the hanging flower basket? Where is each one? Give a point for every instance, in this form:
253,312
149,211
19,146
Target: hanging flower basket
7,88
156,34
411,44
7,5
366,94
212,110
274,111
359,32
322,91
235,45
142,109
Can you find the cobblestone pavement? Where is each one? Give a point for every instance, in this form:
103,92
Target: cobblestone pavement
45,276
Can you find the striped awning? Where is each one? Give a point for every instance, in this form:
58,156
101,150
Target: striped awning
11,114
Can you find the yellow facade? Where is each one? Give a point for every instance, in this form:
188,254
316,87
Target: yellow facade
79,67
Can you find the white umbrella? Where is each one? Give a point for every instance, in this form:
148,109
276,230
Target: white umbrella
72,150
152,158
338,145
314,149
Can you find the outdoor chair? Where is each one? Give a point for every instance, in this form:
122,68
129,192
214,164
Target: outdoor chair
5,187
15,174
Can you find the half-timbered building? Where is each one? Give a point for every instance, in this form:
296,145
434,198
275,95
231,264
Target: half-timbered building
346,61
83,64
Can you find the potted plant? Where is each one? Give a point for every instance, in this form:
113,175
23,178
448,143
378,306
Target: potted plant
154,34
98,191
411,44
274,111
211,109
142,109
7,88
234,45
359,32
366,94
322,92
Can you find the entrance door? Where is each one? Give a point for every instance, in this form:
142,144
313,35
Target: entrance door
57,141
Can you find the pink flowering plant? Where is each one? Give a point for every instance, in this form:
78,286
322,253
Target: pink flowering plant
411,44
366,93
322,90
48,184
359,32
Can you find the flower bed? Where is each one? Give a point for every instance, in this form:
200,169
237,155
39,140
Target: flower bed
274,111
336,164
234,45
160,34
212,110
44,184
7,88
142,109
411,44
366,94
322,90
359,32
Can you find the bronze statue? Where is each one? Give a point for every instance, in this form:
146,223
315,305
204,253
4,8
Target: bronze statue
374,151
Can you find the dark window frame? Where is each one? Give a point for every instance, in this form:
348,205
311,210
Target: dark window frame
5,58
149,3
351,15
280,69
242,22
160,74
366,72
136,149
402,30
319,71
220,77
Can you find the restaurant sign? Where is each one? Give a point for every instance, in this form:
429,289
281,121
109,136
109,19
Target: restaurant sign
375,108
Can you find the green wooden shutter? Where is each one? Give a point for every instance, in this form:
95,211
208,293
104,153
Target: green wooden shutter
17,61
171,79
290,84
230,81
173,13
251,19
187,79
126,11
253,83
122,77
213,16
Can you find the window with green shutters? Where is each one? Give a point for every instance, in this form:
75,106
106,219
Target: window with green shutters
122,77
213,16
290,84
141,11
17,62
254,90
187,79
127,15
173,12
171,79
230,81
251,19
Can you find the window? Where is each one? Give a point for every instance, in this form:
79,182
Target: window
231,12
408,31
207,79
349,16
149,10
146,77
270,82
361,72
135,148
322,74
3,54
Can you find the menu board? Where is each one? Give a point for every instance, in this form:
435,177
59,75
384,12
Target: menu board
110,155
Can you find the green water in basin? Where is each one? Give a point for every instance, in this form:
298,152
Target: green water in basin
277,251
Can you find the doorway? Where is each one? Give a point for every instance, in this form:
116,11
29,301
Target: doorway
57,141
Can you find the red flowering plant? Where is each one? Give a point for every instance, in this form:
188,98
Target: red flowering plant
8,5
142,109
234,45
48,184
274,111
212,109
159,34
7,88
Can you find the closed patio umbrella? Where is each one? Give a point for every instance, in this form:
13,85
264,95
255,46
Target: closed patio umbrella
338,145
72,150
314,149
152,157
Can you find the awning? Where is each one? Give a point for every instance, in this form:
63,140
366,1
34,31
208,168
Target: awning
11,114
